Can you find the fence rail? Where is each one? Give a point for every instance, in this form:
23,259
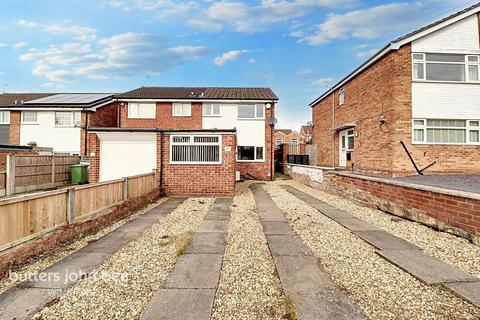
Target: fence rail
25,217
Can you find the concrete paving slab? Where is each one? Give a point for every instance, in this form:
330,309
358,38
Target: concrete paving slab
335,213
266,208
216,217
212,226
23,303
329,302
277,227
110,243
227,201
67,271
136,226
207,242
286,245
195,271
355,224
469,291
180,304
384,240
424,267
300,273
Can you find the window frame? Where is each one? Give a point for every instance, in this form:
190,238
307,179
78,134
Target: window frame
191,143
29,122
278,139
5,114
256,107
254,154
466,63
468,128
341,96
211,105
73,121
294,141
183,104
138,115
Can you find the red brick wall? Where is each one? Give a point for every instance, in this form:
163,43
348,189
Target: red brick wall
94,169
164,118
195,179
454,213
106,116
4,154
15,127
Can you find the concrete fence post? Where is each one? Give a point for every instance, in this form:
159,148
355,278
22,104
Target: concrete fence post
71,206
155,182
53,170
125,188
10,175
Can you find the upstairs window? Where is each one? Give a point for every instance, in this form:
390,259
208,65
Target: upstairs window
29,117
141,110
211,109
251,111
445,67
182,109
4,117
341,96
67,119
195,149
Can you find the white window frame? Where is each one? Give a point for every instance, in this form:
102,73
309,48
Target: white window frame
188,105
294,141
341,96
190,143
350,134
135,112
468,127
210,106
73,121
4,117
277,141
30,122
256,107
423,63
254,154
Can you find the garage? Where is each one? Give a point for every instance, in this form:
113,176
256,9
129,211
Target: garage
125,154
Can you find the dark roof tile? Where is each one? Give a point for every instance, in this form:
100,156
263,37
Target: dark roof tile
198,93
9,99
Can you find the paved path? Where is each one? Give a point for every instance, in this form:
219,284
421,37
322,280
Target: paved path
27,298
401,253
311,288
190,288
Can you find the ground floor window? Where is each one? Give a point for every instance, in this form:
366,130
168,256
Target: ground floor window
250,153
442,131
201,149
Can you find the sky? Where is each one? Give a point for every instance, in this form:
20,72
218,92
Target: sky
299,48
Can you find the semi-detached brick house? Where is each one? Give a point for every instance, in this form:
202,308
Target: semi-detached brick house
422,89
196,138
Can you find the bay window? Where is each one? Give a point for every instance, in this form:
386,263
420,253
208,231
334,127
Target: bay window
441,131
250,153
445,67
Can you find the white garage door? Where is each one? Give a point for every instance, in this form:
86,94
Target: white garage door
126,154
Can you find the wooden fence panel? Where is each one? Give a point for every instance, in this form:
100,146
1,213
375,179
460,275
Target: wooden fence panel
92,198
138,185
31,215
62,168
33,171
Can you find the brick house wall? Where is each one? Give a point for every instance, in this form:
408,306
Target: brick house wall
105,116
164,118
288,138
197,179
15,127
94,157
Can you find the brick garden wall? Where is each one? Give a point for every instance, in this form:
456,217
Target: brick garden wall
195,179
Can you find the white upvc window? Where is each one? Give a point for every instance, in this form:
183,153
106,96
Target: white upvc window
67,118
251,111
279,141
294,141
182,110
341,96
142,110
4,117
195,149
443,131
211,109
445,67
29,117
250,154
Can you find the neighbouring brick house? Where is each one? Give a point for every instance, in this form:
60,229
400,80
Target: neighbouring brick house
55,121
422,89
288,136
208,137
307,132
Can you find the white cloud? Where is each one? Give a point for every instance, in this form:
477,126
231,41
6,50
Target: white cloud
322,82
122,55
304,72
368,23
162,8
252,60
228,56
3,45
25,23
20,44
366,53
296,34
243,17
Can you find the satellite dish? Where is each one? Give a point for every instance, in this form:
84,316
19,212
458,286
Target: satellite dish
272,121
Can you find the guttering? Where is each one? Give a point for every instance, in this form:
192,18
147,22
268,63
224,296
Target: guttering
79,108
116,129
196,100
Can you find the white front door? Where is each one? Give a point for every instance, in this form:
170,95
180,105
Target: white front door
342,159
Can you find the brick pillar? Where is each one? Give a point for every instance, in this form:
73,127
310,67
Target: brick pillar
94,143
83,125
15,127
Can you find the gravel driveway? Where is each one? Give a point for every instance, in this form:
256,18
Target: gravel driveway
468,183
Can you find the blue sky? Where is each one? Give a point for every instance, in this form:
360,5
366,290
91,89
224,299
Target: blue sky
296,47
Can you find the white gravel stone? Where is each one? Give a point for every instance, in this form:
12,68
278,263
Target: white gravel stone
62,251
381,289
249,286
143,264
